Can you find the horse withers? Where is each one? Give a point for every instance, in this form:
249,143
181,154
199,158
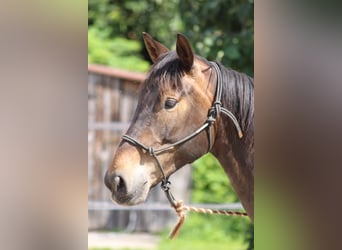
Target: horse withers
187,107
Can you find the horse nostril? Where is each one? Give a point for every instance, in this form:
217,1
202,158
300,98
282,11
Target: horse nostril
115,183
119,184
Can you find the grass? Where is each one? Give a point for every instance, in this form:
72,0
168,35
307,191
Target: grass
185,243
202,244
203,232
117,249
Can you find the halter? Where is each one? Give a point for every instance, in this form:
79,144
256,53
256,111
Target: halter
213,113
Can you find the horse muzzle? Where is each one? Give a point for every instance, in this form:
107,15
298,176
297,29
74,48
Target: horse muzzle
126,190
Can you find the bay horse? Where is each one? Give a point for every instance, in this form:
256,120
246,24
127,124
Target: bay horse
187,106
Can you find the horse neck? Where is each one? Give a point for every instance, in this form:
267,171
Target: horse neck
236,155
238,165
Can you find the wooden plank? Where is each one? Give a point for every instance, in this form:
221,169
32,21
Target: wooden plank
115,99
117,73
115,126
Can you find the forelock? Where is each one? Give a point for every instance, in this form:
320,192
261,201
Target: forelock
166,74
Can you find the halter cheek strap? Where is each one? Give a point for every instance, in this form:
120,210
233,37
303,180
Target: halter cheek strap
213,113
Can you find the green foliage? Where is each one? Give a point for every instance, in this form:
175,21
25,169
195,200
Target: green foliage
115,30
250,237
221,30
117,52
201,231
223,242
210,183
132,17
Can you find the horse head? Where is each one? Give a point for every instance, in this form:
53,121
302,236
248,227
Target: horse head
173,102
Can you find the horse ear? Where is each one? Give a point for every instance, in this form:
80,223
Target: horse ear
154,48
184,51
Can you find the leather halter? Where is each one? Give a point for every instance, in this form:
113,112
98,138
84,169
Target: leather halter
213,113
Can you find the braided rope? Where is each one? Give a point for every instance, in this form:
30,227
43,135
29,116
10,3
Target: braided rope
180,209
181,218
213,211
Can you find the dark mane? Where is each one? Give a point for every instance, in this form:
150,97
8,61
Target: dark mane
238,97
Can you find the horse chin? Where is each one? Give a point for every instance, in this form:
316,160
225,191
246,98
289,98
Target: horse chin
135,197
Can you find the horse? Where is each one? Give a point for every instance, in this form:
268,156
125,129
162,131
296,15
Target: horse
187,106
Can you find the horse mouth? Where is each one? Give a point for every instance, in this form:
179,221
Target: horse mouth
122,200
136,197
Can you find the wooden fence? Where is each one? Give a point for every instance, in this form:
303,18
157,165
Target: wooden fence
112,99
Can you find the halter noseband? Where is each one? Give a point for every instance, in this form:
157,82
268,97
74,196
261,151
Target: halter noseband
213,113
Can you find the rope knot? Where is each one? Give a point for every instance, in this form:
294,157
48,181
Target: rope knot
217,102
150,151
212,114
179,207
165,185
211,119
218,105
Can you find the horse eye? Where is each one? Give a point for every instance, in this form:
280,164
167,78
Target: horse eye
170,103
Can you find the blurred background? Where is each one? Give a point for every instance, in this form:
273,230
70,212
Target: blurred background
118,62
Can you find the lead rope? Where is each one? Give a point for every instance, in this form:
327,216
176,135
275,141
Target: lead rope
180,208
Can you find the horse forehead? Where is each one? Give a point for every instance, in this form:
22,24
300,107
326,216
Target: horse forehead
167,77
159,83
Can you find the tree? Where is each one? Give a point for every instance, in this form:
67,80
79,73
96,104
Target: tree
221,30
117,52
112,19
